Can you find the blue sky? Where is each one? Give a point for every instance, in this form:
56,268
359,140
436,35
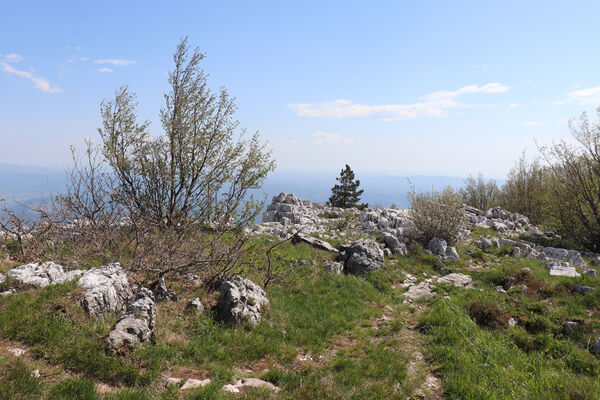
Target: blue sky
444,88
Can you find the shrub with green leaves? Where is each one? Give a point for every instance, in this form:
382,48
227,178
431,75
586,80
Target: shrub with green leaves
435,214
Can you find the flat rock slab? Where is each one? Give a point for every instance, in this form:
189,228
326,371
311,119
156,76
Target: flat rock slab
194,384
562,269
460,280
423,289
243,383
317,243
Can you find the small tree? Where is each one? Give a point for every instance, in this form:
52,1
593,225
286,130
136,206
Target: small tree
575,183
480,194
346,193
526,190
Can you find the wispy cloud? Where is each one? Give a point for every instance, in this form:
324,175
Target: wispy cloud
40,83
583,96
330,138
471,89
12,58
116,62
105,69
434,105
532,123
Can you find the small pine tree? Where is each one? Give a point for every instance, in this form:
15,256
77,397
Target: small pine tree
346,193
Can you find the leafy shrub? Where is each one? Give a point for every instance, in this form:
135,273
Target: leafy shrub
435,214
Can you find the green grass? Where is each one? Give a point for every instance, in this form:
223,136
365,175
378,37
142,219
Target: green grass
331,318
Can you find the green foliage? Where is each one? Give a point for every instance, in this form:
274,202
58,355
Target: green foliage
346,193
480,194
526,190
74,389
18,383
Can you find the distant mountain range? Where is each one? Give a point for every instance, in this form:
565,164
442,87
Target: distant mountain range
28,184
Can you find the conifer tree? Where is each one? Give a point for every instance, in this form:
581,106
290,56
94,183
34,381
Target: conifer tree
346,193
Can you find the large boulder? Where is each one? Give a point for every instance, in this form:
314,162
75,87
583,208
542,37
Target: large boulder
41,275
362,257
136,325
241,301
437,246
105,288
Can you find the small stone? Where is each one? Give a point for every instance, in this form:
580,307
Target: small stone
591,272
171,381
596,348
522,288
35,373
512,322
508,283
500,289
485,243
570,328
15,351
195,305
583,289
335,268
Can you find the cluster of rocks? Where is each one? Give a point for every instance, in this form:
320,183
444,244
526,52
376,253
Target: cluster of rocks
42,274
560,262
502,221
440,248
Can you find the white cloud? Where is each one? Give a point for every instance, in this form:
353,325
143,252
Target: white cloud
12,58
330,138
471,89
342,109
105,69
434,105
583,96
480,66
532,123
116,62
84,58
40,83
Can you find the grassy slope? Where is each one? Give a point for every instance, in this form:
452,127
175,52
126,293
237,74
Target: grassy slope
323,338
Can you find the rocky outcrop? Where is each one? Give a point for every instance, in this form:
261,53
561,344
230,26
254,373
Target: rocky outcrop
2,279
136,325
362,257
41,275
105,288
242,301
502,221
316,243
